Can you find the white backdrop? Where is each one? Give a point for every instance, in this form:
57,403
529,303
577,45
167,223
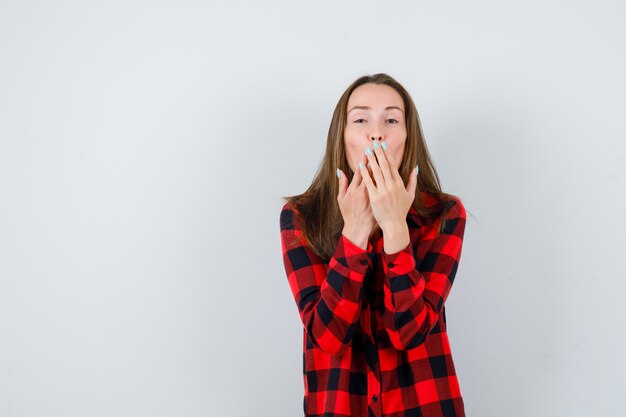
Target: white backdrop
145,145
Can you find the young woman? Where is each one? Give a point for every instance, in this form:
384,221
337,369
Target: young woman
371,250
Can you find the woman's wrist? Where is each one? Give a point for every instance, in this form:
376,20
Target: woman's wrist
396,237
356,236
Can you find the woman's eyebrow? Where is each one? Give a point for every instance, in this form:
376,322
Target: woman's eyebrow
369,108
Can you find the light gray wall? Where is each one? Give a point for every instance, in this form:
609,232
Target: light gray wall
144,148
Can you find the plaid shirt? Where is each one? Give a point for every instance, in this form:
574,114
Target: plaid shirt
374,324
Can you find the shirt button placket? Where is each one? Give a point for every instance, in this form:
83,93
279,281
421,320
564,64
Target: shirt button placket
373,392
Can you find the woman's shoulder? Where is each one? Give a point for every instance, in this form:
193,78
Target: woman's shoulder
450,202
451,207
289,214
455,207
286,213
292,234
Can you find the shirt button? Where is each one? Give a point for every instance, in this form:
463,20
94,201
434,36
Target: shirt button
391,265
364,261
374,398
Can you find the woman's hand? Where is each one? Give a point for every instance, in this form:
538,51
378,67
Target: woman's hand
355,207
389,197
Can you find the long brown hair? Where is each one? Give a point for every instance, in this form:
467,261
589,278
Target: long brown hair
318,208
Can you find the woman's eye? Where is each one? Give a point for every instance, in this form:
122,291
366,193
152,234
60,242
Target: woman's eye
395,121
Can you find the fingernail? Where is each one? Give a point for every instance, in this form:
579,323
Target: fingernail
338,174
376,145
368,151
384,145
361,166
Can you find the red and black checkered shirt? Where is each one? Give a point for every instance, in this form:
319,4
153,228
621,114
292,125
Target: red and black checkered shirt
374,324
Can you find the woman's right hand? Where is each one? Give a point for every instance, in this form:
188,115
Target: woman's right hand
355,207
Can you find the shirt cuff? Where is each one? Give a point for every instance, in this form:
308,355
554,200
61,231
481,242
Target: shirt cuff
356,258
399,263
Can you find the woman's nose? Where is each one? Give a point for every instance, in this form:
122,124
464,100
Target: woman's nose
376,132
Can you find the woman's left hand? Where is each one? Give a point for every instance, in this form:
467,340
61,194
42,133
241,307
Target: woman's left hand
389,198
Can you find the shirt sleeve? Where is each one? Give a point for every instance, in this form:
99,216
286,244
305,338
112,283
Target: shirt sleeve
414,295
328,295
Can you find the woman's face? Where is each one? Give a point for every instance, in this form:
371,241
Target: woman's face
375,112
